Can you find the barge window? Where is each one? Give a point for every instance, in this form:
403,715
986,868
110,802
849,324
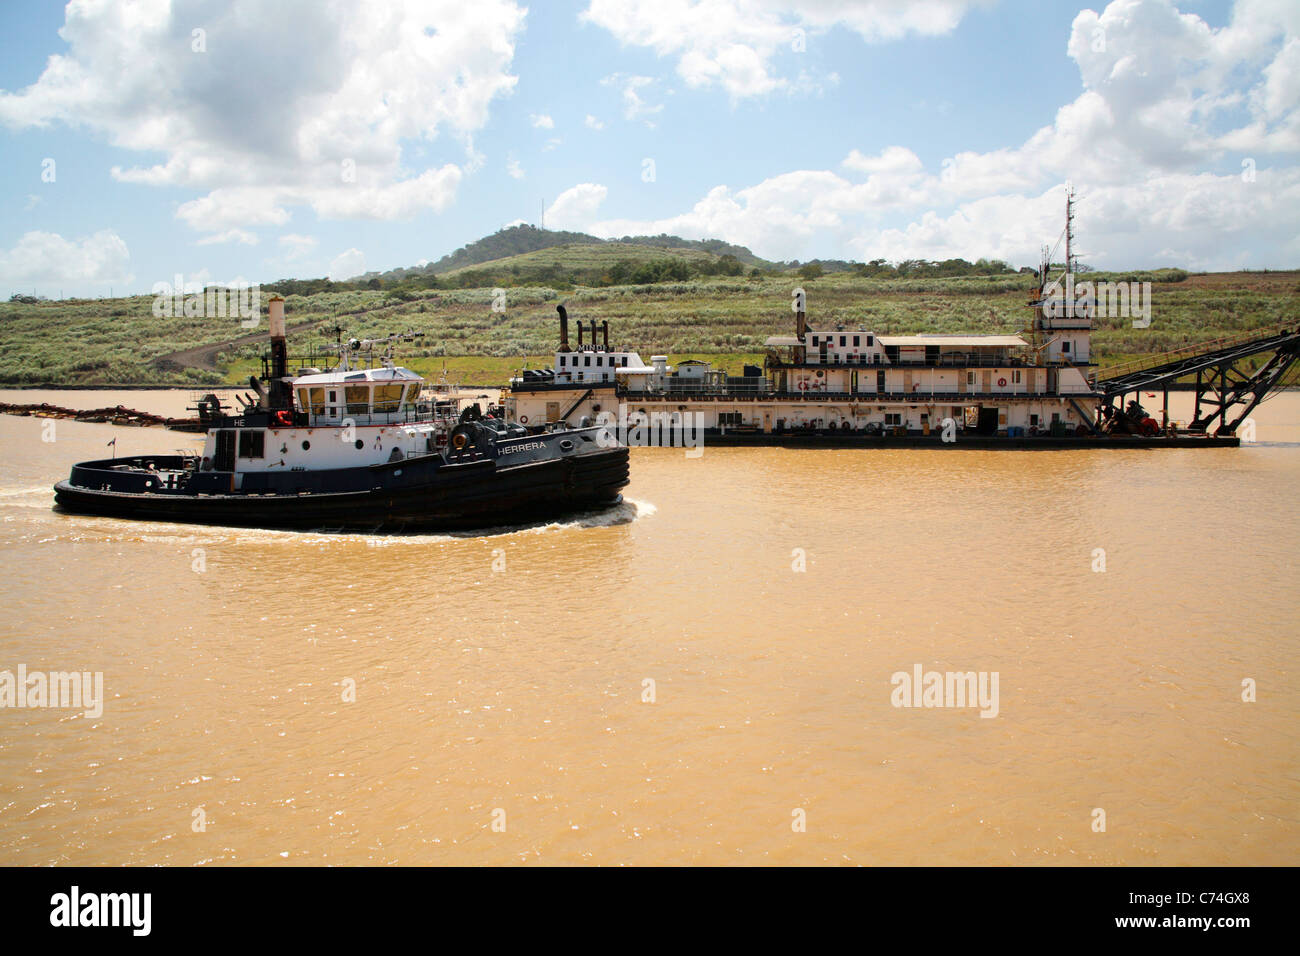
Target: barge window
318,401
857,341
357,398
252,443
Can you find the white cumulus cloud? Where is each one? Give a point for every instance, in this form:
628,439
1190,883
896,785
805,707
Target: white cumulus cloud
347,264
49,257
575,206
1181,142
635,90
280,103
734,43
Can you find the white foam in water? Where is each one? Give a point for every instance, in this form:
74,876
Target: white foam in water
120,529
20,492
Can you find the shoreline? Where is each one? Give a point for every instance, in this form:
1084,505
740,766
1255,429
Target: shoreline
463,386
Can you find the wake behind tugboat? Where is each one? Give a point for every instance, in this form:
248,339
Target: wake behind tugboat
354,449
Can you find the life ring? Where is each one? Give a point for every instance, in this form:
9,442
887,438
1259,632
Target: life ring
523,419
1002,383
459,440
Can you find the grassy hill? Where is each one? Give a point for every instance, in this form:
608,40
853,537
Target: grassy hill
583,259
120,342
513,245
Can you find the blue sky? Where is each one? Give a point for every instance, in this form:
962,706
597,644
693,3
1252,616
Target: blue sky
255,141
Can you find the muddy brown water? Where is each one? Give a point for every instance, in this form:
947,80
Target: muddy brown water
703,675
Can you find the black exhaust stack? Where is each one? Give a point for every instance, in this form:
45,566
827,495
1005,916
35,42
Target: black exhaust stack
281,393
564,329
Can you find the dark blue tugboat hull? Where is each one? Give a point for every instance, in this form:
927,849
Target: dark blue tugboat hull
418,494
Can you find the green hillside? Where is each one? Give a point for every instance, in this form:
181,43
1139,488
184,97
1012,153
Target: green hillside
513,243
120,342
586,258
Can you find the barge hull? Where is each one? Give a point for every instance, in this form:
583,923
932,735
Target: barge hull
982,442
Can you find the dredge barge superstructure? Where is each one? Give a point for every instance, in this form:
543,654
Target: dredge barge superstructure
1038,388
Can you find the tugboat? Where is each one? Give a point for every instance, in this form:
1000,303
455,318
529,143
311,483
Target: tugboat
356,449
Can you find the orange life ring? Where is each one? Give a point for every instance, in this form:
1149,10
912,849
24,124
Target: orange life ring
1002,383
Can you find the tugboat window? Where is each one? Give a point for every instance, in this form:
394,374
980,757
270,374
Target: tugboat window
388,398
318,401
252,443
358,399
360,444
306,445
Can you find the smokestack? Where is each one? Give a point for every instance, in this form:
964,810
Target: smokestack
579,323
276,309
564,328
593,333
604,328
279,348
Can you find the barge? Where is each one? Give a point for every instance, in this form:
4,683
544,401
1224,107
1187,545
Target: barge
849,387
